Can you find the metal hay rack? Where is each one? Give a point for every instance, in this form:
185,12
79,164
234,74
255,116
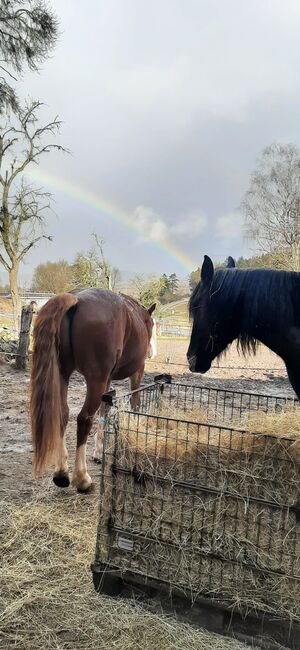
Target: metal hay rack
200,513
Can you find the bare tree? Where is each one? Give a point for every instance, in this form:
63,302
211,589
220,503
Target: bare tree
53,277
92,269
28,33
84,270
271,205
146,288
115,278
109,275
22,206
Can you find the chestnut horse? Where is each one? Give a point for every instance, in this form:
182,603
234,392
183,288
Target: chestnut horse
103,336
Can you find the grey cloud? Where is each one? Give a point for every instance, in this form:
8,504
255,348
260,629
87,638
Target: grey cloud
166,108
229,226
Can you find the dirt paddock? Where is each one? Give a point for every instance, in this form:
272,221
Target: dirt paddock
24,581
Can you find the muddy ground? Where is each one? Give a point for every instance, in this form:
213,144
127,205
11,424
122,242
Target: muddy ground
264,373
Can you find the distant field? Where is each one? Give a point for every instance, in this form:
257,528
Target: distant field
177,313
5,306
5,313
175,319
173,315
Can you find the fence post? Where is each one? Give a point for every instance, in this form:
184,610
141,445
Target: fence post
22,353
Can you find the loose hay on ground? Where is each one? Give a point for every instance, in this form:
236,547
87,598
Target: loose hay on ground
46,594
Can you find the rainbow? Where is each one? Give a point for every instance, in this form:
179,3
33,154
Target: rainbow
112,211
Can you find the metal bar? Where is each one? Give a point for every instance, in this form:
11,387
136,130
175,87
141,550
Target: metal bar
204,488
213,556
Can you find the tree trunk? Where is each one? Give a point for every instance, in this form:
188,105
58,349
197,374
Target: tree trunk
16,301
295,258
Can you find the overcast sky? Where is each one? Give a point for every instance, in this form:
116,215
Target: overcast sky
166,107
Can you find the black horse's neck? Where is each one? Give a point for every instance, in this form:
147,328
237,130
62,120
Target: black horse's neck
255,305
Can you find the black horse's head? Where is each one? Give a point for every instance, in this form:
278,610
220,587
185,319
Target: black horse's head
207,341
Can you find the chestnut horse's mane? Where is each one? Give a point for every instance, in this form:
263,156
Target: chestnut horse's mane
133,301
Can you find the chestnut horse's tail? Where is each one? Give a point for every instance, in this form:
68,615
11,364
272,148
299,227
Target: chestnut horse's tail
45,399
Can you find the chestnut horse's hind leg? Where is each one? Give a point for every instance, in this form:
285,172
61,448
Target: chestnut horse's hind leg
61,472
95,389
98,449
135,382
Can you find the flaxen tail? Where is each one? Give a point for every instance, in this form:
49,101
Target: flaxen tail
45,399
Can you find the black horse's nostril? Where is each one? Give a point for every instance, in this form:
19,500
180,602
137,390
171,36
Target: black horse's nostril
192,362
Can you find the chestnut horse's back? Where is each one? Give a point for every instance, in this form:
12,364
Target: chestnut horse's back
109,335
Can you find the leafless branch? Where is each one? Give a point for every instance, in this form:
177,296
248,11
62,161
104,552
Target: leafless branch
271,205
31,245
4,263
8,72
23,207
28,33
25,131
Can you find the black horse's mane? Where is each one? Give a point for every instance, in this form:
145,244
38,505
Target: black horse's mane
256,299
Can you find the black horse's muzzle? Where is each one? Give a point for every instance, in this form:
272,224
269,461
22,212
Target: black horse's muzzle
192,363
198,366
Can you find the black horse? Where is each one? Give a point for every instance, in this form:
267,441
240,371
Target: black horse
248,305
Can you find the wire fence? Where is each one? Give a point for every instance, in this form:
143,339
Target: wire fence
150,362
167,360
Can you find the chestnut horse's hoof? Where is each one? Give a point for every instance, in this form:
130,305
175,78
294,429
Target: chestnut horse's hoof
61,479
82,482
85,488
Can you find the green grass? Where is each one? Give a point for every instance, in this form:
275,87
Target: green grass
180,314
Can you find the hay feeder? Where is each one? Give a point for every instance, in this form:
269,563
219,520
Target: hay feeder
200,514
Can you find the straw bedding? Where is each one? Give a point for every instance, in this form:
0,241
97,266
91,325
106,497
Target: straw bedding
46,594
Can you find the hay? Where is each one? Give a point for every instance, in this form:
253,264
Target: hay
209,544
285,424
238,461
46,594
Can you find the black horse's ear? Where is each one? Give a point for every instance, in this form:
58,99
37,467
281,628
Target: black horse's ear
207,271
151,309
230,263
